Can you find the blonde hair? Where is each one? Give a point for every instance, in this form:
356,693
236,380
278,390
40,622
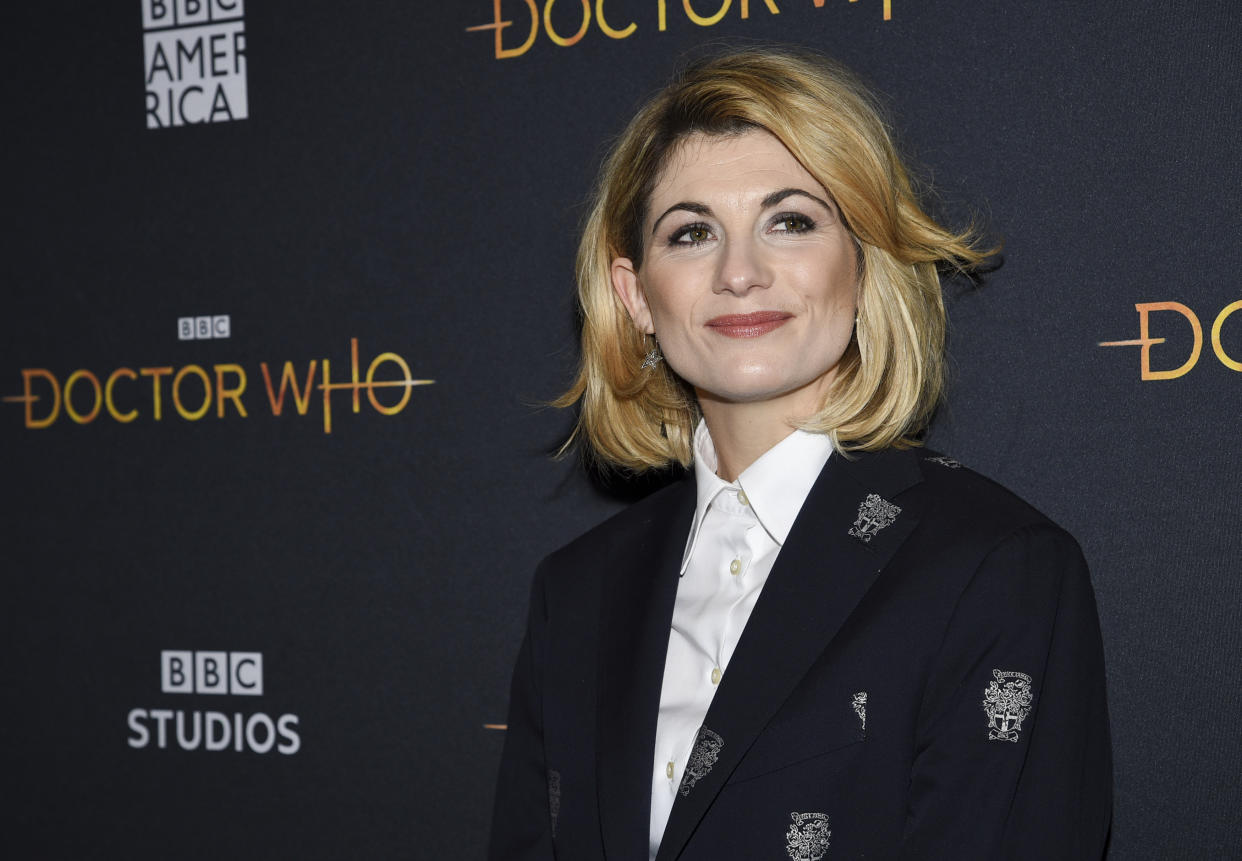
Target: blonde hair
889,380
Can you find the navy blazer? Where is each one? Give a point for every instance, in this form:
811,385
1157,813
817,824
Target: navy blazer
921,677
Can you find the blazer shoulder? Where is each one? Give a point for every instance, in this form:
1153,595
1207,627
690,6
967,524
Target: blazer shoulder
956,495
1000,556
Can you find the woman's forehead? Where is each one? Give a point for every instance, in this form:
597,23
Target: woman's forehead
754,161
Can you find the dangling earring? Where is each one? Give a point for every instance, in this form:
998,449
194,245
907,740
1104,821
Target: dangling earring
653,357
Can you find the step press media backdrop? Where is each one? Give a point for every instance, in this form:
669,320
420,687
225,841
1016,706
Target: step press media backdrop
289,282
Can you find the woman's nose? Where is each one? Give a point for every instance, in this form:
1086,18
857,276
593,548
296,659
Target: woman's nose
742,268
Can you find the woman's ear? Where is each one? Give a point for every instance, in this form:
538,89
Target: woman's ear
630,292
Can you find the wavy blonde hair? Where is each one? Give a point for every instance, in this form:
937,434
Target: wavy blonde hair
891,376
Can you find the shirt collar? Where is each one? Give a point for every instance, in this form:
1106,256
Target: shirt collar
776,485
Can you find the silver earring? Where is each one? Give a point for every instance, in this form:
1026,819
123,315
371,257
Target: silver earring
653,357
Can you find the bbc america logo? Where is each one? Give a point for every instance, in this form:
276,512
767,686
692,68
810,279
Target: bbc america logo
194,58
212,673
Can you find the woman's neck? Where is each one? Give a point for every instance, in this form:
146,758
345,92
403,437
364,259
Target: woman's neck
742,433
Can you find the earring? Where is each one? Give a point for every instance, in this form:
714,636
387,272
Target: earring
653,357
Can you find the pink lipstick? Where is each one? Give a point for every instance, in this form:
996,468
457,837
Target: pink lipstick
748,325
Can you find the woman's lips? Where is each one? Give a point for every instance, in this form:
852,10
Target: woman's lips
748,325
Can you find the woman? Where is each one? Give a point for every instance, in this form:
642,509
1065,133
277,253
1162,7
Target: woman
826,642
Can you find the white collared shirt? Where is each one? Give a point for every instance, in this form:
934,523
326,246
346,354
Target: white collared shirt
737,531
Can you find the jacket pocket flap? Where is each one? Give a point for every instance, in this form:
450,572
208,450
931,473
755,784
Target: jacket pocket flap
796,735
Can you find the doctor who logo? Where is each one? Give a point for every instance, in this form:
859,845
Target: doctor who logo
193,392
1179,323
194,62
209,673
517,25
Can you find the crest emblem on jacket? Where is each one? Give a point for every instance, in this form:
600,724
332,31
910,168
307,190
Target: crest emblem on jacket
807,837
874,513
1007,701
944,460
554,797
702,757
860,708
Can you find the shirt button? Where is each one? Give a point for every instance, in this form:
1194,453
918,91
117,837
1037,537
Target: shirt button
741,497
715,675
735,566
668,771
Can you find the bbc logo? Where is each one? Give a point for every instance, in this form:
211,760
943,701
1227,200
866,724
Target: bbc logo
183,13
239,673
202,328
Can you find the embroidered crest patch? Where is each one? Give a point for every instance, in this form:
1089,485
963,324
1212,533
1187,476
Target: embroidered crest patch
874,513
807,837
702,757
944,460
860,708
1007,701
554,796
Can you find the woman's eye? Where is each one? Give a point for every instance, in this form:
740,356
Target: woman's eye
792,222
692,234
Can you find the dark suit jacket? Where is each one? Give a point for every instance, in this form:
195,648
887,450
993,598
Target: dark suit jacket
875,706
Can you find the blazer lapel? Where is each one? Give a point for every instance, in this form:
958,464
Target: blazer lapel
635,619
820,575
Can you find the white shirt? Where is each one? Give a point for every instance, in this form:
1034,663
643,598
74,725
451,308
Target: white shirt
737,531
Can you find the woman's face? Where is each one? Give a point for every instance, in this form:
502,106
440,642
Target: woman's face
749,278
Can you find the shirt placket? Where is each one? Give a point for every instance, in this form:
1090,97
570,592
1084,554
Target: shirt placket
734,584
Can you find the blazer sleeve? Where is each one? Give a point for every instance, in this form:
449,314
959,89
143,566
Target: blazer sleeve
1036,784
521,816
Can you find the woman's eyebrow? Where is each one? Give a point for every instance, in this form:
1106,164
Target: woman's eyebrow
688,206
769,201
777,196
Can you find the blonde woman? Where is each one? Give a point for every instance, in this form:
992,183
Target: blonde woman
826,641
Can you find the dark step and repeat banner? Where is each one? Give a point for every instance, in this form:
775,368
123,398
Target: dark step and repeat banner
287,288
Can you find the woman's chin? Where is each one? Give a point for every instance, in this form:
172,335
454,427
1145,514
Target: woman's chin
758,388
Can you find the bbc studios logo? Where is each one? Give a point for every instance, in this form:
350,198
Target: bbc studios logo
194,61
221,674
